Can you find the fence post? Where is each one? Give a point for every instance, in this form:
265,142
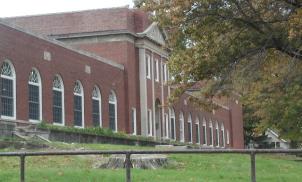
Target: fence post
22,168
128,167
253,167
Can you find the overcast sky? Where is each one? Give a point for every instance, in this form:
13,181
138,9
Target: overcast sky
10,8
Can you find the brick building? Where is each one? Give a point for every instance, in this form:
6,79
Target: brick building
103,68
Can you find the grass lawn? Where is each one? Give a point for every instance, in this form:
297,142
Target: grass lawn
202,167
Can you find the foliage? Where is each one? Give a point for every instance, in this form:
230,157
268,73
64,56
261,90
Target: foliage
251,48
94,131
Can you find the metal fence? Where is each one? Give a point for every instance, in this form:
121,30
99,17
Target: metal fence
128,153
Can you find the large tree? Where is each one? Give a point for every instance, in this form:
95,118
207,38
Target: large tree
250,47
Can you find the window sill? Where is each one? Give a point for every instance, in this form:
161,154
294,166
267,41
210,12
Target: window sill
34,121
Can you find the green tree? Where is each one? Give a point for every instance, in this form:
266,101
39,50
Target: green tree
251,47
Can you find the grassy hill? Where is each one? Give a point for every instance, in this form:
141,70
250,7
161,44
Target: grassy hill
197,167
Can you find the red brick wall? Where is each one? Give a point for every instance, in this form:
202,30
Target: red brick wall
26,52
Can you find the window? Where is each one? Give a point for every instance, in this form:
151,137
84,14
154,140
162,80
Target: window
181,127
112,111
222,135
172,123
133,121
217,134
204,131
58,100
8,91
148,66
197,131
156,70
190,128
165,72
228,137
78,104
96,107
166,126
34,95
211,133
149,122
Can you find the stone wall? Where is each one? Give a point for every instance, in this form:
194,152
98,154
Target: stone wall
7,128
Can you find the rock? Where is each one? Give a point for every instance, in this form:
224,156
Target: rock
140,161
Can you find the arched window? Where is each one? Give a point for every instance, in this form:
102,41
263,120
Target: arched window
112,111
35,96
217,134
181,127
8,91
78,104
96,107
197,131
172,123
58,100
211,133
166,126
190,128
222,135
204,132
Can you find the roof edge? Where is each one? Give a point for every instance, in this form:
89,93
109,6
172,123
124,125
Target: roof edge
58,43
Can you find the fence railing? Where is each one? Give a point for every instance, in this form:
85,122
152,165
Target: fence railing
128,153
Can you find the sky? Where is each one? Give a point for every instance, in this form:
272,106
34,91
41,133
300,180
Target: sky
32,7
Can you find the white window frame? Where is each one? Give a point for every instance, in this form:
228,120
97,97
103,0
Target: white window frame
166,126
217,131
40,95
191,128
198,130
150,127
63,99
165,72
133,116
223,135
83,104
156,70
172,116
181,125
13,78
212,133
99,98
115,107
205,134
148,66
228,137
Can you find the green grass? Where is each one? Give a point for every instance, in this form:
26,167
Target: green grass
205,167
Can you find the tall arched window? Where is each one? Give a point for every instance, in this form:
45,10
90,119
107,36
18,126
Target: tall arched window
96,107
222,135
211,133
172,123
190,128
204,132
197,131
8,91
181,127
78,104
58,100
112,111
35,95
217,134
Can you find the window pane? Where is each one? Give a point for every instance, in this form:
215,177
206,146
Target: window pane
57,107
211,136
7,97
77,110
172,128
204,140
197,132
189,132
34,104
112,117
96,112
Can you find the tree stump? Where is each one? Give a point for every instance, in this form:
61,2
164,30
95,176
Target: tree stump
140,161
